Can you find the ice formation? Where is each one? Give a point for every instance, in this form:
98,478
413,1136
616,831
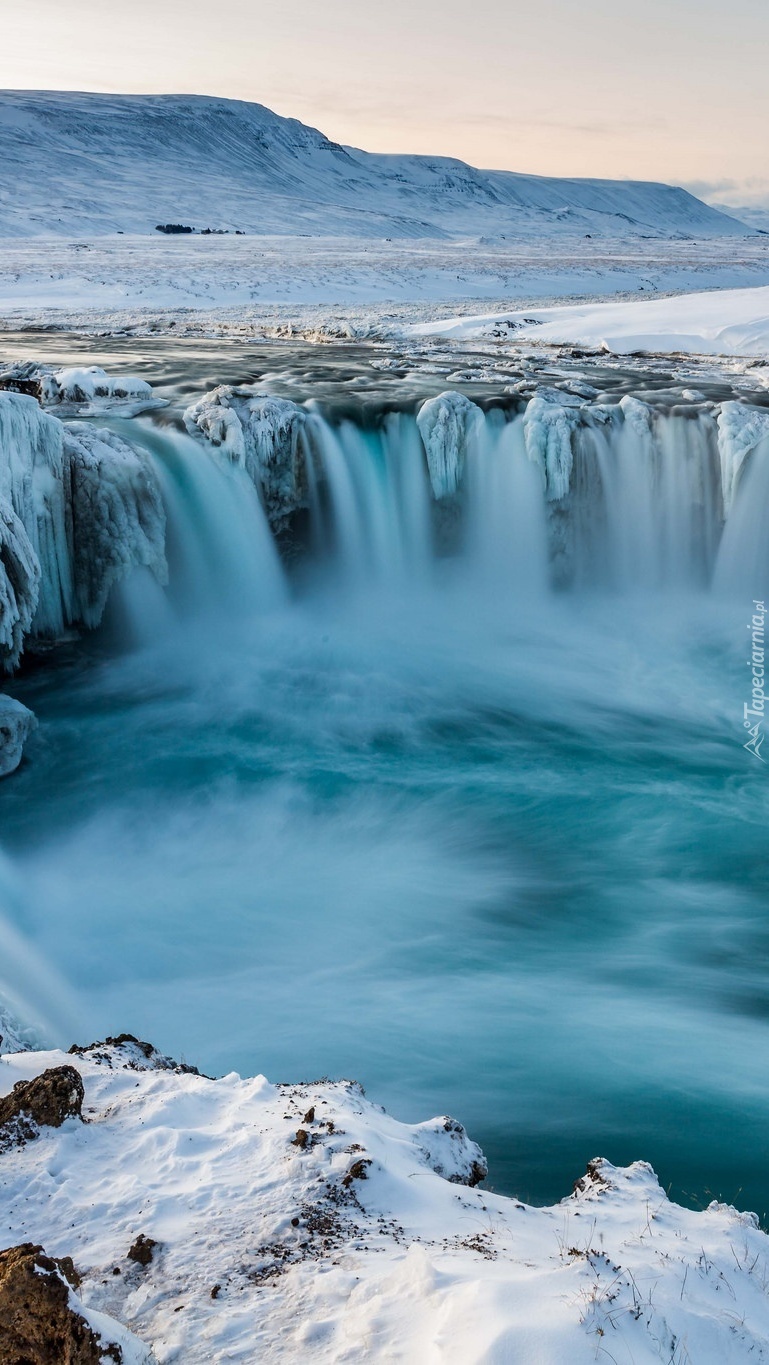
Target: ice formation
16,723
118,512
33,479
79,508
84,387
447,425
740,429
549,424
19,585
263,435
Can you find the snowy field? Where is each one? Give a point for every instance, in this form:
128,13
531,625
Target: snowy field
730,322
255,283
301,1222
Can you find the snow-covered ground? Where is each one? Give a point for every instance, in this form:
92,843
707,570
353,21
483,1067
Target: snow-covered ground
731,322
253,282
301,1222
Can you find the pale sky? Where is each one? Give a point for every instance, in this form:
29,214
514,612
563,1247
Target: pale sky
674,90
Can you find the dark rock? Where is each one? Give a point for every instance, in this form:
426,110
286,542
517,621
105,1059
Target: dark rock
309,1116
358,1171
302,1139
594,1180
37,1324
142,1250
44,1102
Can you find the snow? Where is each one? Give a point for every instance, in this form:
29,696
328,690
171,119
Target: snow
89,164
356,1241
261,434
284,282
447,424
721,322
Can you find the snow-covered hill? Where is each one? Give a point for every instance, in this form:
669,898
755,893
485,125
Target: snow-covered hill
303,1223
85,164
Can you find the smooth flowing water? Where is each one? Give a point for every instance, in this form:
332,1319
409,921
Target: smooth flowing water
401,809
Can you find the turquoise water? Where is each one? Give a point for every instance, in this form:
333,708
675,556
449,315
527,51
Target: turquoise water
504,862
492,849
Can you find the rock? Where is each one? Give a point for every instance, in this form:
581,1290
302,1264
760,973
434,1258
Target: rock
44,1102
131,1054
448,1150
358,1171
142,1250
16,724
38,1325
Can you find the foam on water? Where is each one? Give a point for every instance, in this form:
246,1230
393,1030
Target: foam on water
424,817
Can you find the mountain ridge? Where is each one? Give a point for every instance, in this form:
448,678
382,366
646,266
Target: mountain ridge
78,163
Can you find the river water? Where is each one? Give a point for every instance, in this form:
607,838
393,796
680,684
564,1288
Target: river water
399,807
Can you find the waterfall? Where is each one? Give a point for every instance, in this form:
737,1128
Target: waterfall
374,520
561,492
222,557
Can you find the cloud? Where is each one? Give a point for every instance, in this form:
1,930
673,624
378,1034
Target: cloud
751,193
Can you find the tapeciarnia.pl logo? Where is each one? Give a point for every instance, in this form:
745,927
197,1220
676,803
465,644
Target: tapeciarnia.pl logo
754,711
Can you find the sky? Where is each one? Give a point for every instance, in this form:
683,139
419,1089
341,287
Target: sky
673,90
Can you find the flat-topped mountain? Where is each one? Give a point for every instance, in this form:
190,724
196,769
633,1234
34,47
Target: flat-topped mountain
86,164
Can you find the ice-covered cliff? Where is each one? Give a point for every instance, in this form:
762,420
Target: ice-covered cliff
79,508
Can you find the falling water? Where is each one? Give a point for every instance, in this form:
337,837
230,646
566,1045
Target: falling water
433,776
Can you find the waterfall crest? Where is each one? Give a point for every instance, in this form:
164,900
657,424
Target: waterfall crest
563,491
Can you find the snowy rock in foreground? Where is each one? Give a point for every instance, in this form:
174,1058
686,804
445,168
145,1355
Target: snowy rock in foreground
302,1222
264,435
16,724
42,1321
84,389
447,425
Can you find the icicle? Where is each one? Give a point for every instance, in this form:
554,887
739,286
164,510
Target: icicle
447,424
32,478
548,427
19,585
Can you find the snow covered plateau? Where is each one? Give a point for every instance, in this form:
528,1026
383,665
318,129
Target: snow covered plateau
213,163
